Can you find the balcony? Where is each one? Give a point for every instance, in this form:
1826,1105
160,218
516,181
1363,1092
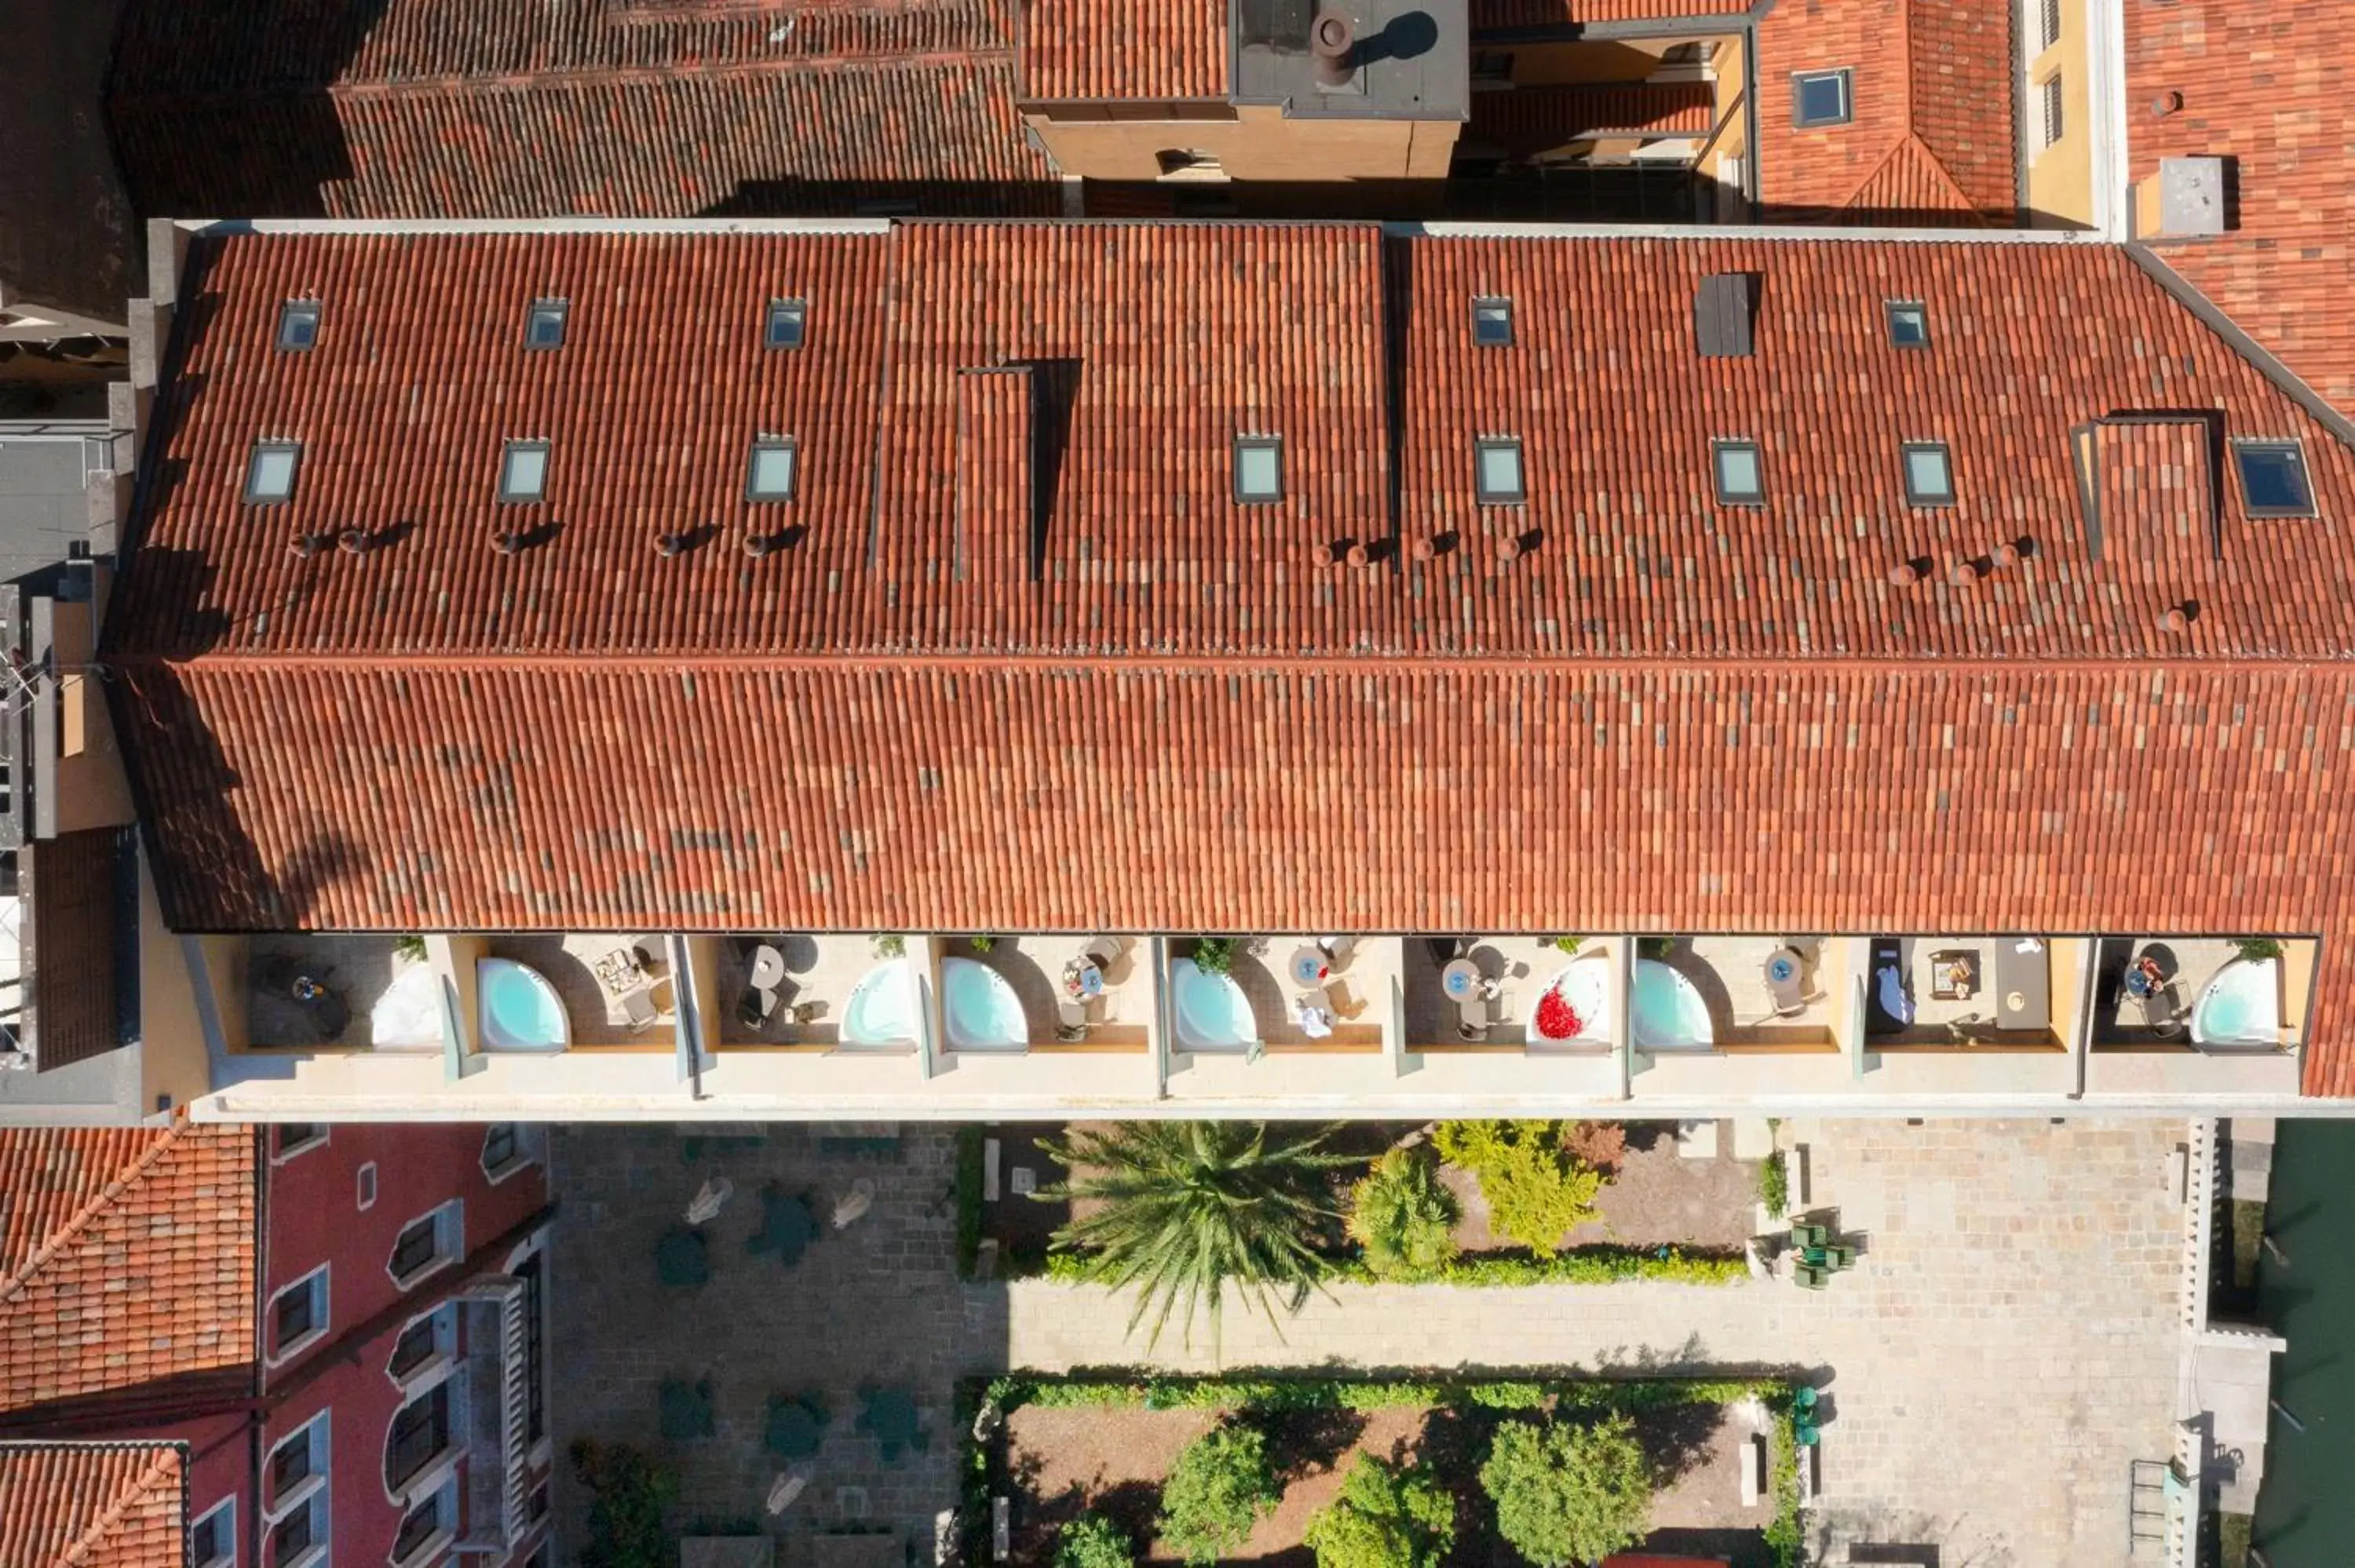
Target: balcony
1964,992
552,991
362,992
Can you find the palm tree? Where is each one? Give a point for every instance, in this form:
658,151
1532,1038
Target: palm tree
1181,1210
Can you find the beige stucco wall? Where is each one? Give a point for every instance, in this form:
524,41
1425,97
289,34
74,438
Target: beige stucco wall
1258,144
172,1056
2060,177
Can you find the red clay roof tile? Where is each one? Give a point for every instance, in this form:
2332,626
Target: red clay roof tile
480,108
1118,48
126,1256
880,727
93,1505
1932,134
1532,119
2271,87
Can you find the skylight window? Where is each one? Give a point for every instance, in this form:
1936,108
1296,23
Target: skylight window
270,472
2274,481
523,472
544,328
1909,324
1258,469
1497,474
788,318
1929,474
1740,479
1821,97
298,326
1492,322
774,466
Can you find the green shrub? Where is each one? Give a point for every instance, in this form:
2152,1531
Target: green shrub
629,1494
890,944
1568,1493
1568,944
1214,955
2256,948
982,944
1220,1486
1774,1184
1507,1395
1657,948
1384,1518
1536,1192
411,947
1093,1540
1402,1216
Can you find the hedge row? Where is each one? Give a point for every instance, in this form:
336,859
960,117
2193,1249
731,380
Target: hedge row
1597,1265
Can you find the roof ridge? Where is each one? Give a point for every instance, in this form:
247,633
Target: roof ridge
65,1235
79,1549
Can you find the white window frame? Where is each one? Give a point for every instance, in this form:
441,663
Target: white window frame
449,1222
435,1367
2051,112
321,1286
317,1432
323,1525
2048,23
225,1512
364,1187
522,1158
445,1498
318,1140
444,1462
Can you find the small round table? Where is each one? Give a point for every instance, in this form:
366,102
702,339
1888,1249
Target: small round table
1082,980
1308,967
1783,967
1460,980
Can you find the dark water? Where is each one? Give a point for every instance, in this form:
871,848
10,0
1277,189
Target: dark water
2306,1512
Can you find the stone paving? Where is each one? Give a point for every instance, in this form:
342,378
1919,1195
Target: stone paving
2003,1350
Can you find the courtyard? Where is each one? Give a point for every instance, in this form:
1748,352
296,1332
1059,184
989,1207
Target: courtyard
2002,1351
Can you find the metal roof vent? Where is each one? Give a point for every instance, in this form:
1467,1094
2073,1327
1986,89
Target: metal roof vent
1726,308
2186,199
1333,45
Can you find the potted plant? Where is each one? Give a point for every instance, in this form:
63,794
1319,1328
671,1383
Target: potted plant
1214,955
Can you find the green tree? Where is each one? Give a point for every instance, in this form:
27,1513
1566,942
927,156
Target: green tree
629,1494
1091,1540
1402,1216
1182,1210
1568,1493
1220,1487
1535,1189
1386,1517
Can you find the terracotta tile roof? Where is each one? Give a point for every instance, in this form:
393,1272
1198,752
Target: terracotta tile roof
586,735
93,1505
1934,135
2273,88
126,1256
1118,48
480,108
1537,118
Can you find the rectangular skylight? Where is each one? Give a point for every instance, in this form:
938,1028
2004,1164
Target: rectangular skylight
1258,469
523,472
544,328
770,473
787,319
270,472
2274,481
1492,322
1929,474
1909,324
1498,479
1821,97
1740,479
298,325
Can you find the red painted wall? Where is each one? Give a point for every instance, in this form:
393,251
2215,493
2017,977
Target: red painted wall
312,1217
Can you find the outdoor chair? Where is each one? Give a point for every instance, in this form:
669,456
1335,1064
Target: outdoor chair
1805,1236
1811,1278
1102,951
638,1007
1338,949
1473,1019
1070,1023
756,1006
1839,1257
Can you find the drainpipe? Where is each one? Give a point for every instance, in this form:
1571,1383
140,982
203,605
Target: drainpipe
1623,992
1156,952
687,1002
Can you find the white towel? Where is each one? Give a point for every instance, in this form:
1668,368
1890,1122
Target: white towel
1315,1022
